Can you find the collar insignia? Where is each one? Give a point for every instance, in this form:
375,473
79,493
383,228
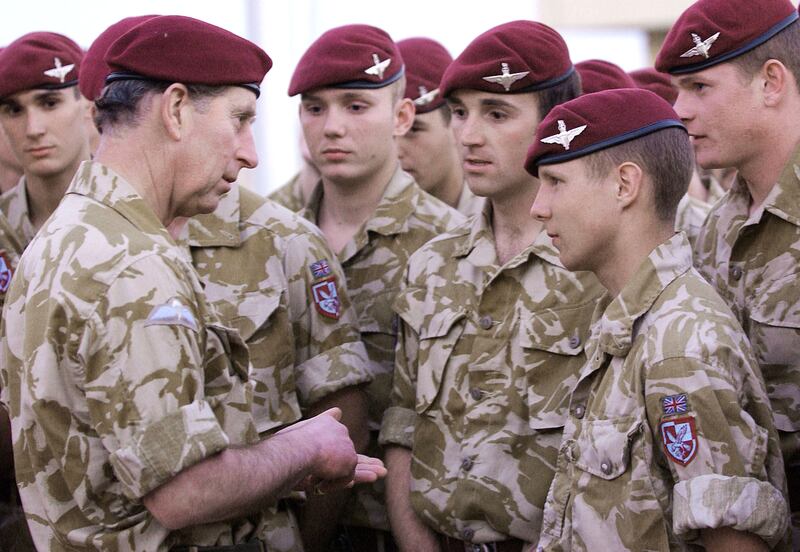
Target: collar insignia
564,136
701,47
59,72
506,78
426,97
379,66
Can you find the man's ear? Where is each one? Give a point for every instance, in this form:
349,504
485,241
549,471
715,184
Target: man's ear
775,81
174,108
629,181
404,113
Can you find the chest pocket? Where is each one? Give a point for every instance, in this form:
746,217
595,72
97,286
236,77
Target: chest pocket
251,311
603,448
552,343
438,332
775,334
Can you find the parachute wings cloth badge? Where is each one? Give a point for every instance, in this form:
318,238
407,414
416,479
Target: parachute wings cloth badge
5,271
680,439
324,291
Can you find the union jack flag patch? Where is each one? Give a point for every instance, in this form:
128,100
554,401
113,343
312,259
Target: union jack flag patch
675,404
320,269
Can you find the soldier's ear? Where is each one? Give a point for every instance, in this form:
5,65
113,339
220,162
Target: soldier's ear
403,116
629,179
174,110
775,82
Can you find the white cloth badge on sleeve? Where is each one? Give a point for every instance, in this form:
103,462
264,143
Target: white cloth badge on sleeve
172,313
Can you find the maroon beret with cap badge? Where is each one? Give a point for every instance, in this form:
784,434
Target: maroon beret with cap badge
94,69
598,74
39,60
656,82
426,61
174,48
713,31
594,122
352,56
520,56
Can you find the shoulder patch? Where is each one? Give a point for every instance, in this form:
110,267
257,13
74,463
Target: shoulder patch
172,313
326,297
6,272
320,269
680,439
675,404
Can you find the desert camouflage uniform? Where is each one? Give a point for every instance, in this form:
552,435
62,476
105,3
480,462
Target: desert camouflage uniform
14,205
469,204
666,351
255,260
754,264
116,373
486,361
290,195
374,261
689,217
10,251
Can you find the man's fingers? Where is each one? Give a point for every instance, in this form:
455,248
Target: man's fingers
335,413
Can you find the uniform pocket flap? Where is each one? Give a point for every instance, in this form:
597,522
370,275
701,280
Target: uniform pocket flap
561,331
250,311
604,446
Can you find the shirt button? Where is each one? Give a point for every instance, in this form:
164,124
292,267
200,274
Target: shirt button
574,341
468,534
466,464
476,393
736,273
605,467
580,410
485,322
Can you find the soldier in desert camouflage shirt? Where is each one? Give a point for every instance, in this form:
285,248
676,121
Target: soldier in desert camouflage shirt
749,247
265,270
670,441
489,347
352,109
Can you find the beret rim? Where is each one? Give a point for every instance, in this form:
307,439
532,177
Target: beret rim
727,56
117,76
361,84
607,143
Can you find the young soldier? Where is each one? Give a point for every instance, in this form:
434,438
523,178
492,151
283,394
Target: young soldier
492,326
670,441
372,214
263,268
428,151
130,403
736,65
47,124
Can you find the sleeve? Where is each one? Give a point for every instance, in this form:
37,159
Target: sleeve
329,353
713,432
397,427
145,382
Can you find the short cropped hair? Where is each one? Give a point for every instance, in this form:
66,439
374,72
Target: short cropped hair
120,103
784,47
666,157
564,91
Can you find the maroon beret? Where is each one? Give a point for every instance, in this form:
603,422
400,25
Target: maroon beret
426,61
175,48
656,82
598,121
352,56
39,60
94,69
520,56
597,75
712,31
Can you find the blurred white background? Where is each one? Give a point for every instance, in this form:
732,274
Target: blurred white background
622,31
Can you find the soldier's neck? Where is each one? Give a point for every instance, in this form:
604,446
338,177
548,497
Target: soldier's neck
347,205
513,227
45,192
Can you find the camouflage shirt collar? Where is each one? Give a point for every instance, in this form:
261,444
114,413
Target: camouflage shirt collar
102,184
665,263
481,230
220,228
15,206
398,203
